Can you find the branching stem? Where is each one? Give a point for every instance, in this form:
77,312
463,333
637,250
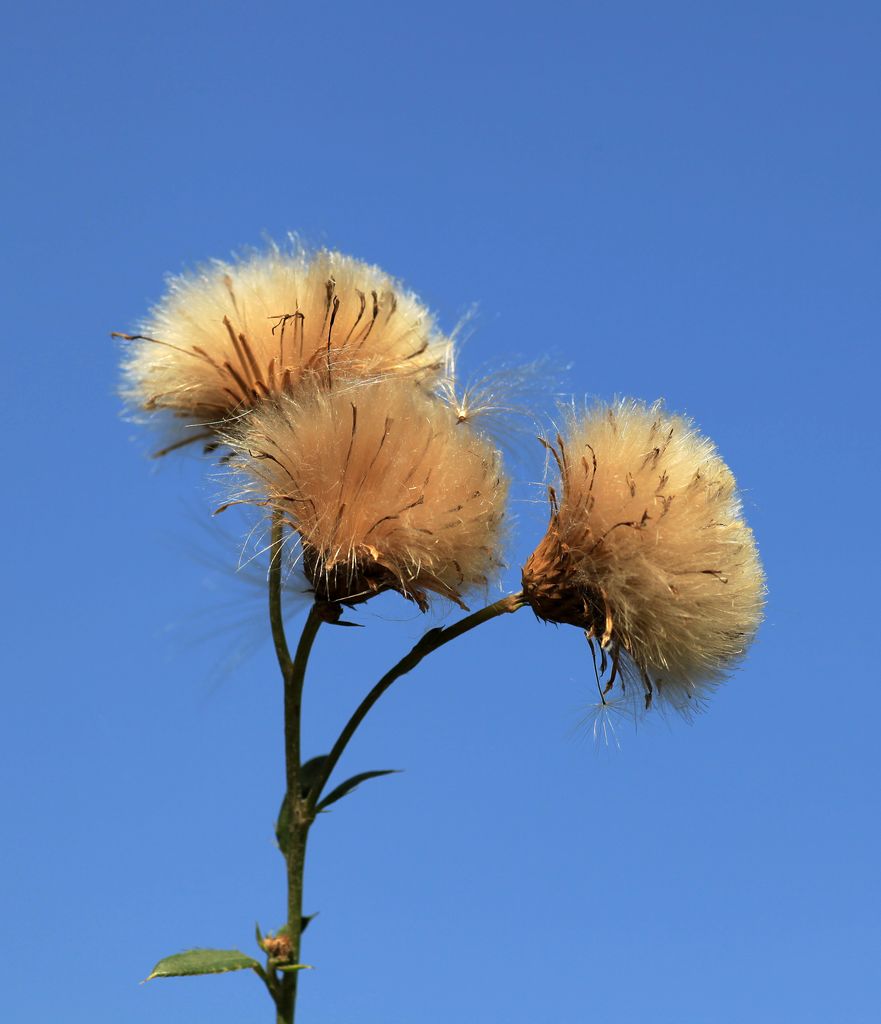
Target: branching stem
299,808
297,818
432,640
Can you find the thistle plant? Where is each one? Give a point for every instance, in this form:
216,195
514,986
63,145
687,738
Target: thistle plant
327,396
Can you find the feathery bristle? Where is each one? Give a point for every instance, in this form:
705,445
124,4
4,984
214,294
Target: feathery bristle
229,336
384,488
500,401
647,552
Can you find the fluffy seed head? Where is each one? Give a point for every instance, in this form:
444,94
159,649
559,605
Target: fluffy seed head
647,552
384,488
233,334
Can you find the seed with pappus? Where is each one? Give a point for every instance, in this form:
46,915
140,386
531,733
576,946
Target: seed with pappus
647,551
233,334
384,488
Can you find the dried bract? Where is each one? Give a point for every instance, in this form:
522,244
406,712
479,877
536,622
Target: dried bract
384,488
232,335
647,552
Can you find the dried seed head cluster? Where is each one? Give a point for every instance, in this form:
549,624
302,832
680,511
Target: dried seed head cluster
647,551
384,488
341,403
232,335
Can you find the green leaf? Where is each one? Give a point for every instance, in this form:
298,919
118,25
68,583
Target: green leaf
283,826
309,773
287,968
202,961
346,787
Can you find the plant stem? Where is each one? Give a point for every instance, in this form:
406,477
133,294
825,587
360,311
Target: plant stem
276,616
432,640
298,816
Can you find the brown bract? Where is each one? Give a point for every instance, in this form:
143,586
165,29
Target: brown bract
647,551
234,334
384,488
278,947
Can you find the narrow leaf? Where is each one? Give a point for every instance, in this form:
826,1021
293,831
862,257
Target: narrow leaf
287,968
346,787
202,961
283,826
309,773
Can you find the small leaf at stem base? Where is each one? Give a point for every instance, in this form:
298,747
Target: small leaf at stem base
202,961
283,827
309,772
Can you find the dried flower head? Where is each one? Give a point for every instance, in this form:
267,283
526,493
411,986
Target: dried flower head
232,335
384,488
647,552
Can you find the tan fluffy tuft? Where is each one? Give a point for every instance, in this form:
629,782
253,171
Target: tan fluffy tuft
384,488
233,334
648,552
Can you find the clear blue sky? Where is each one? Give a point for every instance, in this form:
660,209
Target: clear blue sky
680,200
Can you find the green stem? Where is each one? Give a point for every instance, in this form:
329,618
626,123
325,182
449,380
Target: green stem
432,640
298,815
276,616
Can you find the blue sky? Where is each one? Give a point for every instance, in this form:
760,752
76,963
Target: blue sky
675,201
